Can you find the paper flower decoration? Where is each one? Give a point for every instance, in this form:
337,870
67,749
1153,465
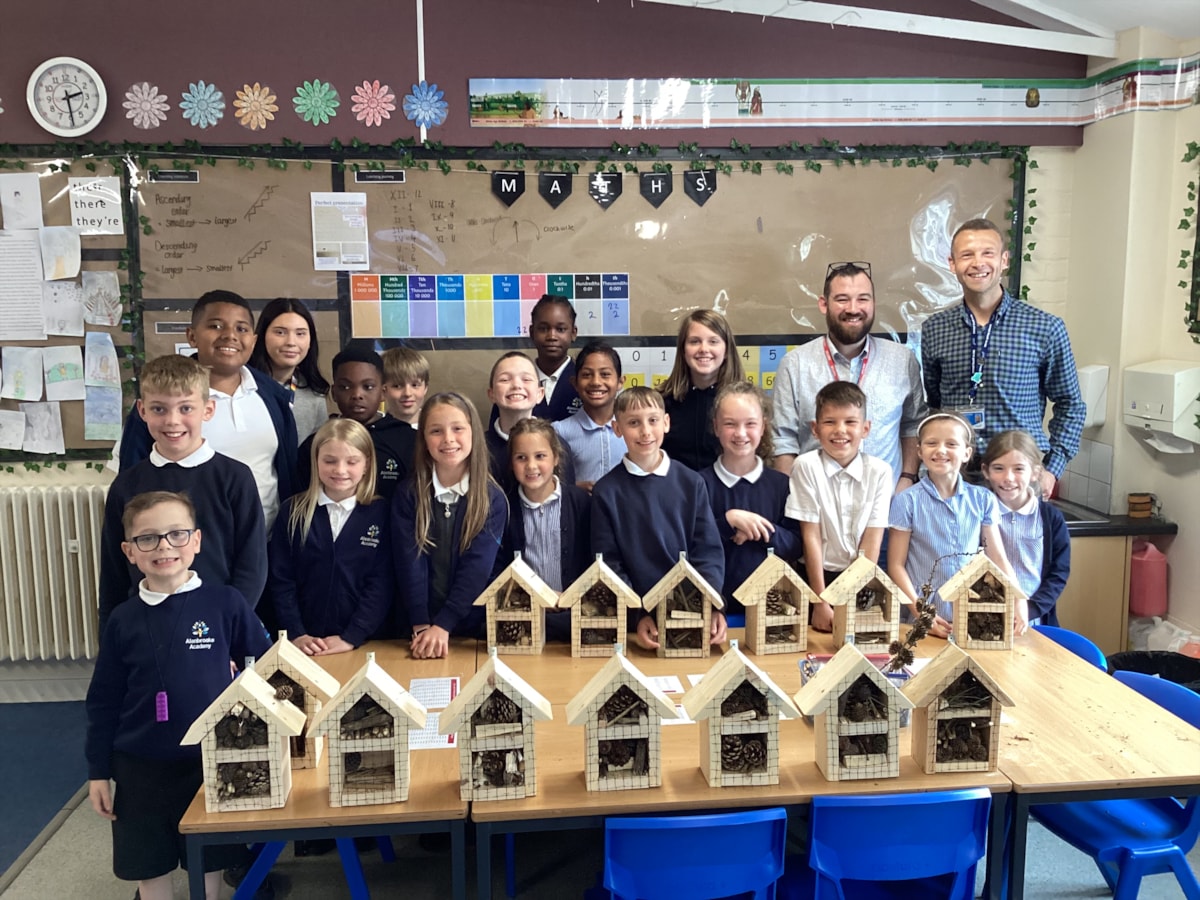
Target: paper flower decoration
425,105
255,106
145,105
203,104
1,107
316,101
373,103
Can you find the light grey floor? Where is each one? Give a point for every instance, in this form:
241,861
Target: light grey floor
75,863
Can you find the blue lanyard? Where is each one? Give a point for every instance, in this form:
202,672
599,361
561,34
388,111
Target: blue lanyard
979,350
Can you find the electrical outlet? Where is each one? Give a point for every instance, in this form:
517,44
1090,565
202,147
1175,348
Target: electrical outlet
72,545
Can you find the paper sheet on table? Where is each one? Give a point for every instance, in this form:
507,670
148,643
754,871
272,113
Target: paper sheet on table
918,664
21,287
684,718
63,367
101,413
434,693
43,428
694,680
668,684
12,429
21,200
428,738
339,231
60,252
101,298
100,366
22,368
62,307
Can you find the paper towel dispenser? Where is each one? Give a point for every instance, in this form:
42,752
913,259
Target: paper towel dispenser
1161,404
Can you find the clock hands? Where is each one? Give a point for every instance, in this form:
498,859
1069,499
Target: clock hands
67,98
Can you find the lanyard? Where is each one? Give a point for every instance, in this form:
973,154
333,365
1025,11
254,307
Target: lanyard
161,713
862,370
979,351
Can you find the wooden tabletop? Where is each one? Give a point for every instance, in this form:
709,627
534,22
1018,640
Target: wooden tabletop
434,791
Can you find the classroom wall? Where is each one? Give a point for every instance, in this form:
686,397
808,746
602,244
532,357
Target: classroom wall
1107,249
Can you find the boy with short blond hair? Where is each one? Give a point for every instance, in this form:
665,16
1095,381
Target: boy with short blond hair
164,658
173,407
405,383
838,493
648,510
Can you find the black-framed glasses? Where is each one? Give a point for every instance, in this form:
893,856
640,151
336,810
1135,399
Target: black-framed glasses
176,538
852,267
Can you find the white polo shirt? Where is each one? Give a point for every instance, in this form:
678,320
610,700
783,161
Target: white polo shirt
242,428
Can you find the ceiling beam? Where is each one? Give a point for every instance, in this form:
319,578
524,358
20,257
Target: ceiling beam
907,23
1046,15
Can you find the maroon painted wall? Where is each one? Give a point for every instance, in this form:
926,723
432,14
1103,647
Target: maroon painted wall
280,44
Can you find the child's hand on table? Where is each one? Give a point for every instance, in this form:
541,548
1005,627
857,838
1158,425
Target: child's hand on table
431,642
335,644
646,635
718,631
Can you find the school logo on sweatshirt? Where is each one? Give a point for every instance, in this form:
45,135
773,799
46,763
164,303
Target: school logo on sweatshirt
371,538
391,470
200,639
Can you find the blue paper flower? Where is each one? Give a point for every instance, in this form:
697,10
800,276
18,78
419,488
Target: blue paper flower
203,104
425,105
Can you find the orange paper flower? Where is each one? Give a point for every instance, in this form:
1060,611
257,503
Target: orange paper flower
255,106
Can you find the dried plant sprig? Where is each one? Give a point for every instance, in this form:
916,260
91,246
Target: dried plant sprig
902,651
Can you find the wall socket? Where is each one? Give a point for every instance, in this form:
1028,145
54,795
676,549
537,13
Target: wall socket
72,545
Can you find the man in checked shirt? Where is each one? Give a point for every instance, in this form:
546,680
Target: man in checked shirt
996,360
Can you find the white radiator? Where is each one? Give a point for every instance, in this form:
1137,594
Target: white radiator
49,569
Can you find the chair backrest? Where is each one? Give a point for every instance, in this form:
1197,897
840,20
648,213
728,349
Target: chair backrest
695,856
893,837
1076,643
1167,694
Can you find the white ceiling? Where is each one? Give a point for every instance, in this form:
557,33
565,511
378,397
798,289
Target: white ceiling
1178,18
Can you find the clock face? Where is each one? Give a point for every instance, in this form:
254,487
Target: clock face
66,96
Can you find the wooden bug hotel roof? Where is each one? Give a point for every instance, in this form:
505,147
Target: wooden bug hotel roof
384,690
726,675
520,572
845,587
940,672
765,576
820,694
959,584
616,672
492,675
299,666
251,689
682,570
599,573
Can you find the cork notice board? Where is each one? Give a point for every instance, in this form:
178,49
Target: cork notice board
237,228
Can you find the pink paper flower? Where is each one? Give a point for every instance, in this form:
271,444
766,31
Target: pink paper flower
145,105
373,103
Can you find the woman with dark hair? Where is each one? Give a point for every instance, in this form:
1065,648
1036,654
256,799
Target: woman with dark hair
286,349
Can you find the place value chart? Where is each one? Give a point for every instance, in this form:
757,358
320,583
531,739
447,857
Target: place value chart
482,305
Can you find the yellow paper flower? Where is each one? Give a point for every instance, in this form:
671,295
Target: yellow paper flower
255,106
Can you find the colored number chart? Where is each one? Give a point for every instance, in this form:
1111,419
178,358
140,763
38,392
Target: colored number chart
652,365
482,306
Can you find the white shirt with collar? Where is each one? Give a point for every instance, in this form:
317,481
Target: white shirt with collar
450,494
197,457
550,382
242,428
728,479
844,501
339,511
634,469
154,598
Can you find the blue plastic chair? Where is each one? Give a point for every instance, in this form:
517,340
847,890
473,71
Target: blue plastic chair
899,845
695,856
1129,839
1076,643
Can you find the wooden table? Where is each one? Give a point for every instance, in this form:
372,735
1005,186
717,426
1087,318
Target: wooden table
563,801
1075,733
433,803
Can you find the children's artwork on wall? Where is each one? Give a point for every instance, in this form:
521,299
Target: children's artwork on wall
22,367
101,299
12,429
101,413
63,367
43,428
100,361
20,200
60,252
62,307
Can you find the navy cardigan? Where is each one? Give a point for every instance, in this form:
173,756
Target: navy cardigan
136,442
1056,564
575,544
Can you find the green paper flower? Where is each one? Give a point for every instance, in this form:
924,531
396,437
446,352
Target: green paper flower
316,101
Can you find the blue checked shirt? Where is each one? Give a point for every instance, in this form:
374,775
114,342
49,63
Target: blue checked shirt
1028,362
594,449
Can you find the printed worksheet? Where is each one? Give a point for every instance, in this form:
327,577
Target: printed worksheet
434,693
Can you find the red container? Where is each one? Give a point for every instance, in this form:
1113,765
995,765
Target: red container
1147,581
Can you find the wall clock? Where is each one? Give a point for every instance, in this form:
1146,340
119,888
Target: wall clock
66,96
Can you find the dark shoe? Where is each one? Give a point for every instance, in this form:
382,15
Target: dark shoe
234,877
316,847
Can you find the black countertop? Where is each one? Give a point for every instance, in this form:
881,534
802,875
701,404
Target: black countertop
1084,522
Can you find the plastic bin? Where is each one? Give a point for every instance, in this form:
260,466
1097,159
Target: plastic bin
1147,581
1171,666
